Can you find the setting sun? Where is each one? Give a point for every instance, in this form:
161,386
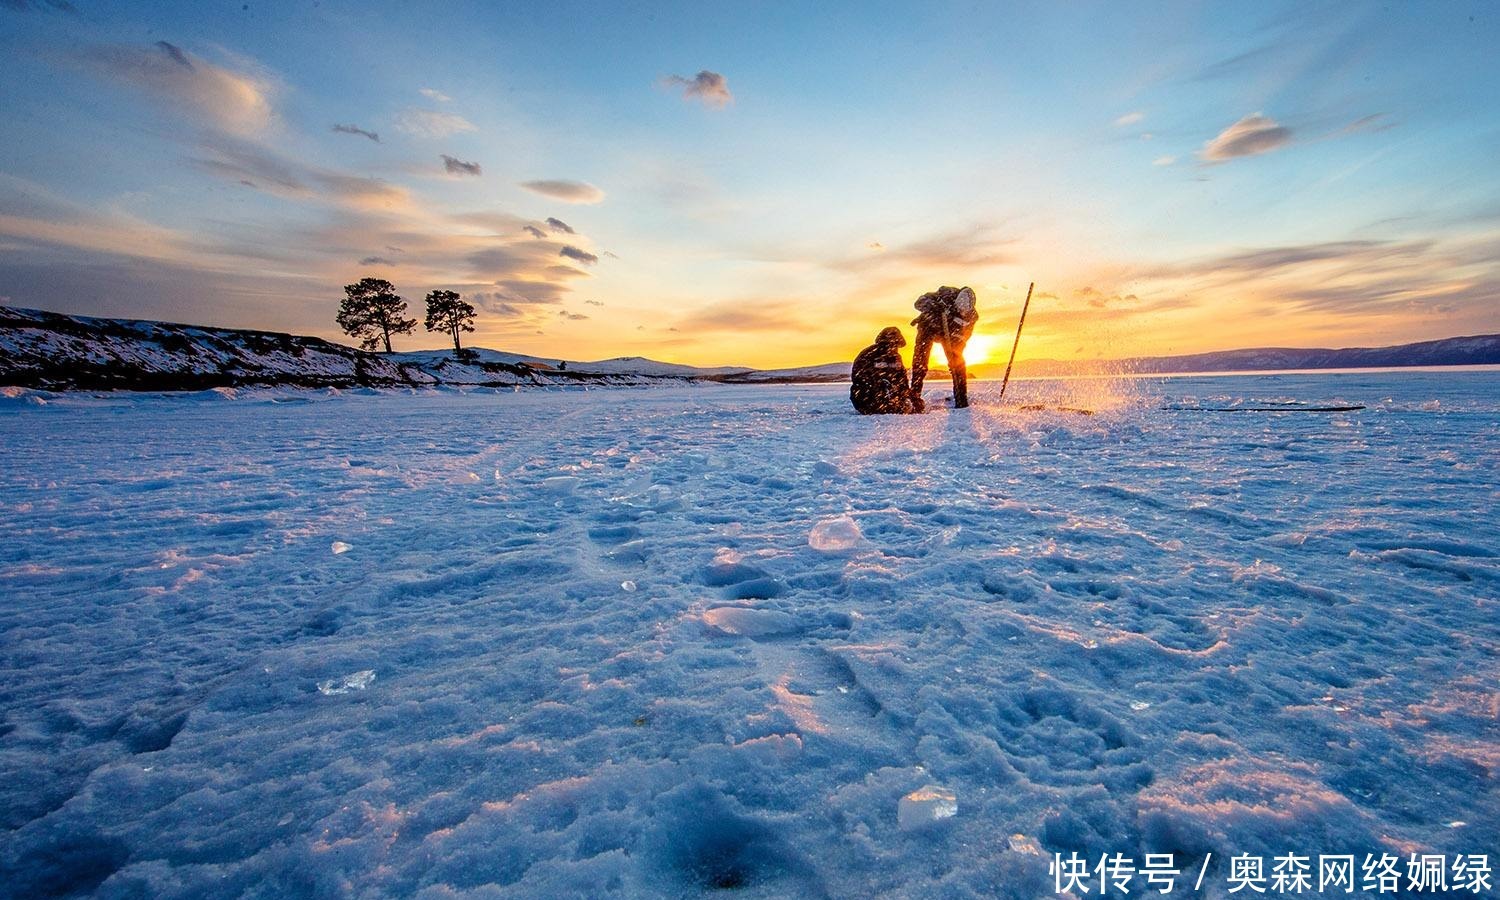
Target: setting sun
982,348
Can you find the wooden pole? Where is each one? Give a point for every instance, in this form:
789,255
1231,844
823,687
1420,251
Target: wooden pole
1019,325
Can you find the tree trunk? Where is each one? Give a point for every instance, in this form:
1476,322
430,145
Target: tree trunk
386,333
456,347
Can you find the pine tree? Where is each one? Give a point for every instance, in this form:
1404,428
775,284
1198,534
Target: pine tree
447,312
372,312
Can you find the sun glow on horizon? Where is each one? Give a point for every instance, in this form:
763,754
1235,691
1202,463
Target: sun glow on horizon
981,348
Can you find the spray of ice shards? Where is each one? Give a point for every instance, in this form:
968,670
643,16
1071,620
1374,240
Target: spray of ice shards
1096,380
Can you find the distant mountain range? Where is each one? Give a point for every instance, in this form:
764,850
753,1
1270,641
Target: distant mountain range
58,352
1476,350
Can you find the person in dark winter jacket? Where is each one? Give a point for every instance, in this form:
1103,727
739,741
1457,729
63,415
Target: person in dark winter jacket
878,382
945,316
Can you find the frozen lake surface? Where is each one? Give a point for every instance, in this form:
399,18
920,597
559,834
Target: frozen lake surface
668,642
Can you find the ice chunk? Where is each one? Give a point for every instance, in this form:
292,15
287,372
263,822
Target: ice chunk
1021,843
340,547
925,806
465,478
355,682
560,484
748,622
627,586
834,535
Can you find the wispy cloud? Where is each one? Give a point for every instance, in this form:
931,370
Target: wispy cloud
582,256
1099,299
431,123
738,316
458,167
1376,122
333,216
236,160
525,272
710,88
1271,260
1250,136
1243,64
434,95
1352,280
530,291
1130,118
494,303
571,316
964,248
497,223
566,191
34,216
29,5
355,129
1164,161
175,53
234,101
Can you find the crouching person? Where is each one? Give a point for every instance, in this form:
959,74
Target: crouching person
878,382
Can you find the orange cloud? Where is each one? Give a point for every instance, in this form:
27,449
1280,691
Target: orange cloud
1250,136
566,191
234,101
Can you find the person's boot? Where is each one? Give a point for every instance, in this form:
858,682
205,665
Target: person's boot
918,405
960,390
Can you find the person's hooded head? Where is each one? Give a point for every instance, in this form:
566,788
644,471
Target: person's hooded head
964,302
890,337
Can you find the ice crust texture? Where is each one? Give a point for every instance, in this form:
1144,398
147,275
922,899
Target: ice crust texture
1140,631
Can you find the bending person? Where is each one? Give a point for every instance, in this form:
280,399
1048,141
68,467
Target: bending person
877,384
945,316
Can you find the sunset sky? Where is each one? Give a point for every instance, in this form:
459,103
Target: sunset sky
762,184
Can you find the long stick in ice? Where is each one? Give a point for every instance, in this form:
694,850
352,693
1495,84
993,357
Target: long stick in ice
1019,325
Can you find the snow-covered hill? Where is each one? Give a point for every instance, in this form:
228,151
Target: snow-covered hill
43,349
828,372
49,350
639,365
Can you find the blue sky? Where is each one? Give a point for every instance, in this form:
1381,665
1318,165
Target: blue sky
762,185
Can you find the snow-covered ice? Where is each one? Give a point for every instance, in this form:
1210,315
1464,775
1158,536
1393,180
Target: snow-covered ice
620,665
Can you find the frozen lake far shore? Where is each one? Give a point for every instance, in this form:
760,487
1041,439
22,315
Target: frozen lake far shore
669,642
